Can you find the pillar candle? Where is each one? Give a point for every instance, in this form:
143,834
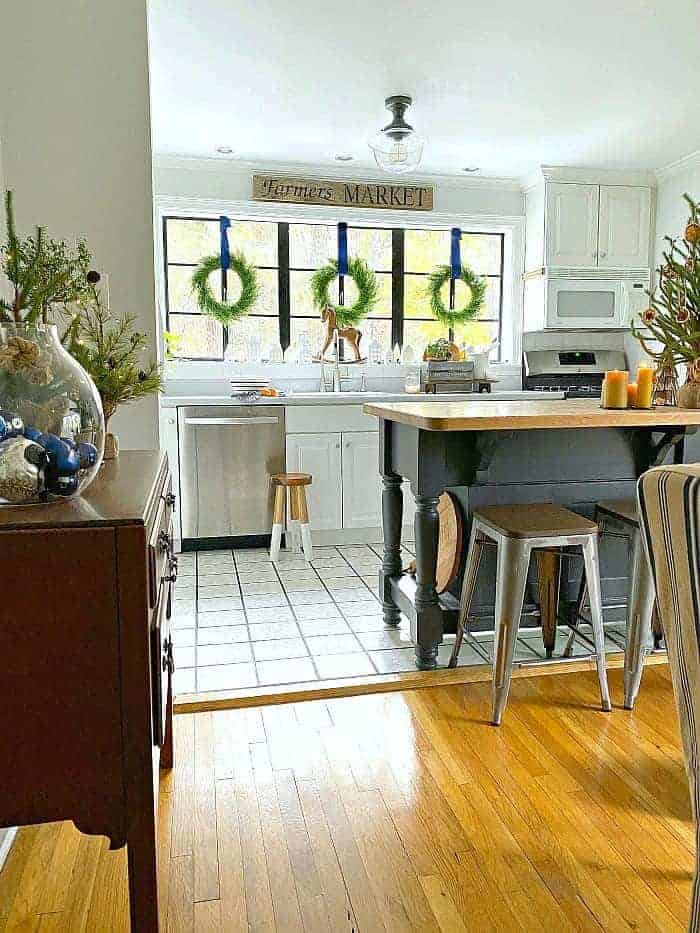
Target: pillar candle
645,386
631,394
616,388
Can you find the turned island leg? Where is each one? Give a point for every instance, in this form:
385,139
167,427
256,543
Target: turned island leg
428,633
392,518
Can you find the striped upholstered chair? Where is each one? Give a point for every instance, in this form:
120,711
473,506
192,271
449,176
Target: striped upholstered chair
669,500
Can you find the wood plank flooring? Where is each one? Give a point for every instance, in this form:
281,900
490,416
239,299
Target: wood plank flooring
401,811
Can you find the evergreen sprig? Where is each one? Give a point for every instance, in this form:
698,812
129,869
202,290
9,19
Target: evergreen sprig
110,348
42,273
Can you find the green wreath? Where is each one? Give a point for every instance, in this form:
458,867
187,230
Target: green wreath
477,286
364,279
221,310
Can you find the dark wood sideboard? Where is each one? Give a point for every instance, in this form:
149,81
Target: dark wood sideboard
86,662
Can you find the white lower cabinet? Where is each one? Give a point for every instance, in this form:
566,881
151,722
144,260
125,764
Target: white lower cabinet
347,489
319,455
362,485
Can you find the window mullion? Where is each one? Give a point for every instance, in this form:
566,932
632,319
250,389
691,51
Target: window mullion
283,284
397,286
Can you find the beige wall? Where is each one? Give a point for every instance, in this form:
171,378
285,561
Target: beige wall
76,149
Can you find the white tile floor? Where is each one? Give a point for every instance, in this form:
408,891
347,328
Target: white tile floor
241,621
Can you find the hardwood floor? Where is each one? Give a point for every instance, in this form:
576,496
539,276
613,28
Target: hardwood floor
401,811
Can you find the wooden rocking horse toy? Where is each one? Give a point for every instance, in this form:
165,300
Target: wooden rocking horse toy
351,334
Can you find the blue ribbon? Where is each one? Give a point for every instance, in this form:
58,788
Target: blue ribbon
224,224
455,257
342,249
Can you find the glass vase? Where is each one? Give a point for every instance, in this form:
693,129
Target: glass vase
52,427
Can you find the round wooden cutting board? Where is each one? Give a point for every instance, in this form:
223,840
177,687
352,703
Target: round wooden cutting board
450,541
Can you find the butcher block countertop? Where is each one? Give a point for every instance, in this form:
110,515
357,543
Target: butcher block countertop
525,415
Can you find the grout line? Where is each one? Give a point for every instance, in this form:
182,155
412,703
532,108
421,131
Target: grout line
301,634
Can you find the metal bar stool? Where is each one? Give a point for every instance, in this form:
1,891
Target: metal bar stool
299,526
642,618
517,530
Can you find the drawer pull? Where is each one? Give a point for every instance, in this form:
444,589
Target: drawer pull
168,659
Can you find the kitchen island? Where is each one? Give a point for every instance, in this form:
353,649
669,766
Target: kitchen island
571,452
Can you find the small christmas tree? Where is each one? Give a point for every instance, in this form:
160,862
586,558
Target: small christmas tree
673,315
110,349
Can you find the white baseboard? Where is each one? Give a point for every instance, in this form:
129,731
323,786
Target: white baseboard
7,837
345,536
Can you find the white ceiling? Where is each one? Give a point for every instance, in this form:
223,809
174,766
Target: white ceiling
502,84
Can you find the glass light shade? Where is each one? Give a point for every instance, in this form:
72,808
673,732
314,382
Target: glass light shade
397,152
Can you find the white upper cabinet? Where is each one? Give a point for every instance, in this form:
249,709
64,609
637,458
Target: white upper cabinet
362,486
571,225
319,455
623,237
576,219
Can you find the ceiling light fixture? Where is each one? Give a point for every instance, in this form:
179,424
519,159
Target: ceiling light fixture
224,150
397,148
344,157
471,169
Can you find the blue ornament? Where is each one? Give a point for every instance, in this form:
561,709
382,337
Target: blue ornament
32,434
15,425
63,460
61,485
71,443
88,455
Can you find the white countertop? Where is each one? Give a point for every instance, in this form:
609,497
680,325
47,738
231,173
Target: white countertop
355,398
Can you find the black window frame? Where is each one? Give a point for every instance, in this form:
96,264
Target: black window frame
398,273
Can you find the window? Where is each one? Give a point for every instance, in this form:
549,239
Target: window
287,254
187,241
425,249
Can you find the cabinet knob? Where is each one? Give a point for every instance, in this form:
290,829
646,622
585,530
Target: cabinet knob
603,255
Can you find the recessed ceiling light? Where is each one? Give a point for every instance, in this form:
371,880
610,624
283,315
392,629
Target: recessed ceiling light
224,150
344,157
471,169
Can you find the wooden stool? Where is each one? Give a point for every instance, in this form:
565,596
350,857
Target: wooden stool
642,617
517,530
298,513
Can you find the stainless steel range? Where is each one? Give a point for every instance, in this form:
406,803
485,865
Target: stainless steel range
571,361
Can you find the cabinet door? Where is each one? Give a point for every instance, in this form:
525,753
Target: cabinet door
362,485
623,239
572,225
319,455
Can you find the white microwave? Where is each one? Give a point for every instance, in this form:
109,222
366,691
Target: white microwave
597,302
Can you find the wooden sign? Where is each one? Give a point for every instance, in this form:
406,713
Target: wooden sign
342,193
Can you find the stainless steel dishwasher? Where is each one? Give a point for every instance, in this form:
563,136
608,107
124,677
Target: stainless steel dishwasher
227,455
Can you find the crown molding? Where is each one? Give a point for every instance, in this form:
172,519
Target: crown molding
690,161
587,176
306,170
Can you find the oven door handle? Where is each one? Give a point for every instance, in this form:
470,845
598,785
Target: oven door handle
231,422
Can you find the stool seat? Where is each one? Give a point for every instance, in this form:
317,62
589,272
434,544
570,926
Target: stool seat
291,479
625,510
535,520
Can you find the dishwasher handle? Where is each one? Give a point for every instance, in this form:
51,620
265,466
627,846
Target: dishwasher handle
232,422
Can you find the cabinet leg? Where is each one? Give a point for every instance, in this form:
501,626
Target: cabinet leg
428,633
548,574
143,877
392,518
